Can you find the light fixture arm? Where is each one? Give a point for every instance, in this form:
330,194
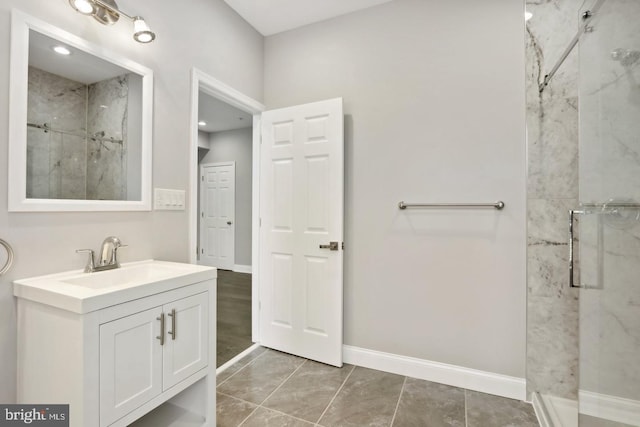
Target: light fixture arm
112,9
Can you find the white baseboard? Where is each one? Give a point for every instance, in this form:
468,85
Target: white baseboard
625,411
458,376
239,268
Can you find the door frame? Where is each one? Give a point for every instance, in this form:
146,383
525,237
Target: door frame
201,168
201,81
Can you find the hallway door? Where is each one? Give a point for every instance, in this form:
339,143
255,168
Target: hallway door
217,215
301,232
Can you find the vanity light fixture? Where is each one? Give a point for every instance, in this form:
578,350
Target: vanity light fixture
107,13
202,123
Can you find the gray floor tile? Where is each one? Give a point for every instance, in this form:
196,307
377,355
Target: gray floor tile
230,412
368,398
256,381
308,392
485,410
267,418
224,375
429,404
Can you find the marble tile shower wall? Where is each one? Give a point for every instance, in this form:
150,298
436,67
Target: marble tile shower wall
552,189
56,165
76,159
107,115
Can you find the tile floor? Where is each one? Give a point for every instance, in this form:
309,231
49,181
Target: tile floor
234,315
272,389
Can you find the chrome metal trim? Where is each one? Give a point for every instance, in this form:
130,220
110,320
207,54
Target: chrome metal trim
97,137
611,205
10,256
497,205
586,17
572,214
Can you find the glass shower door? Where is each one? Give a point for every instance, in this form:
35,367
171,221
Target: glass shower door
609,221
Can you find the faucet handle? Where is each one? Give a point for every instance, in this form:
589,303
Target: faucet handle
90,267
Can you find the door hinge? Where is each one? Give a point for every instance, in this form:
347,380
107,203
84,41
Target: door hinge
202,214
343,246
202,251
259,222
202,178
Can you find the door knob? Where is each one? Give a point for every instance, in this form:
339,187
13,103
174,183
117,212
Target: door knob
332,246
229,222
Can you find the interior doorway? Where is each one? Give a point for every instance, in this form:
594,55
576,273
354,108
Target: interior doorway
225,161
222,205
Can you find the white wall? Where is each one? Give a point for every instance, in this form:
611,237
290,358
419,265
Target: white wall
237,145
434,104
229,50
203,140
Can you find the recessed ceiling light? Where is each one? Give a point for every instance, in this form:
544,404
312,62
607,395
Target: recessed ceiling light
61,50
202,123
527,15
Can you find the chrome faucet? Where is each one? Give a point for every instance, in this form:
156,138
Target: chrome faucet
108,255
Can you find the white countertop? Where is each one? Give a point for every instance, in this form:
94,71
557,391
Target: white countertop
81,292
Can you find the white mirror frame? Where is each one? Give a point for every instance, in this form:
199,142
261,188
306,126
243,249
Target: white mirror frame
21,24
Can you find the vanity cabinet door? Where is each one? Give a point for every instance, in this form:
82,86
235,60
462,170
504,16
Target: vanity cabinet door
185,351
130,364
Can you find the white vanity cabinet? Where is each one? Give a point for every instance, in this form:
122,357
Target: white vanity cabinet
115,364
146,353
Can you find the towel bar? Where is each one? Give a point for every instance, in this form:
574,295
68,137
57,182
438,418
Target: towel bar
497,205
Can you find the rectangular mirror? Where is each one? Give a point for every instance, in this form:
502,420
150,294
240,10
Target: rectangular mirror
80,124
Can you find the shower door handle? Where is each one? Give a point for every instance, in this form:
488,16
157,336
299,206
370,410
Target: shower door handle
572,214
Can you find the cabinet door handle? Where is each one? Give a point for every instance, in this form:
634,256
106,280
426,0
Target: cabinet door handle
173,332
161,337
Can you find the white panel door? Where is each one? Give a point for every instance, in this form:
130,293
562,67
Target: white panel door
130,364
185,351
217,216
301,209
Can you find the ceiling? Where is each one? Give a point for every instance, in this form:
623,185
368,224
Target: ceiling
275,16
220,116
80,66
271,17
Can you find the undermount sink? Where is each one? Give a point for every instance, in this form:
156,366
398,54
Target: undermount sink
85,292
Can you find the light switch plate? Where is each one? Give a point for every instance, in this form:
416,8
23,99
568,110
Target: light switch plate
168,200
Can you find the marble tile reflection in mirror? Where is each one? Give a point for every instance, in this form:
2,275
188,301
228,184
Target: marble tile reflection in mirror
79,124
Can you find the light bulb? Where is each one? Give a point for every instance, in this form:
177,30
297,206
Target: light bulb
141,31
86,7
527,15
202,123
